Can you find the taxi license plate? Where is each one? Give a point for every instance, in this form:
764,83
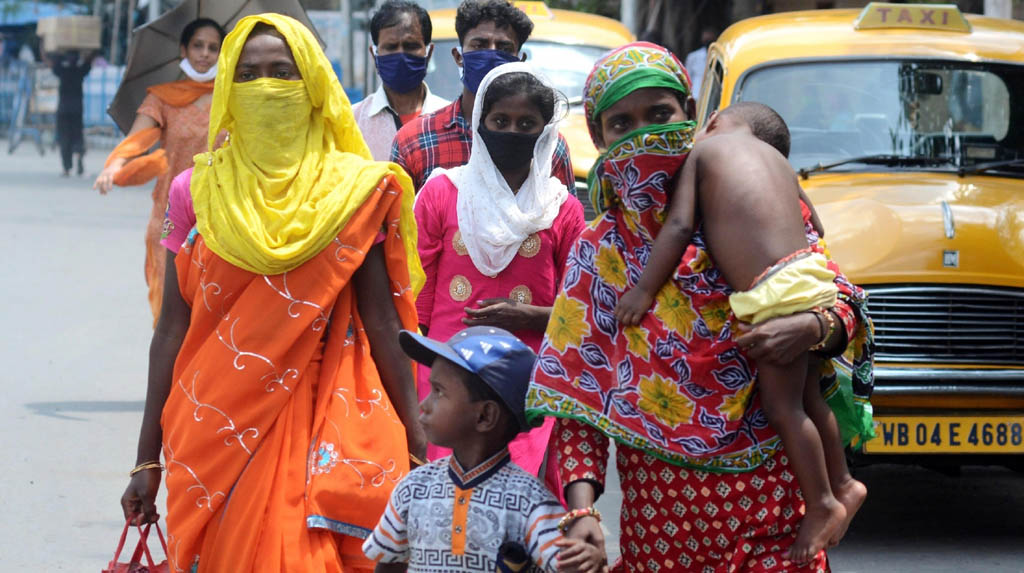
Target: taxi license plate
947,435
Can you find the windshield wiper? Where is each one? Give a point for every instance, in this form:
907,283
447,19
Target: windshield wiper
877,159
982,167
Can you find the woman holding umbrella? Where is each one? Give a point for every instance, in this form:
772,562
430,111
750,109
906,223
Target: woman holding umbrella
177,115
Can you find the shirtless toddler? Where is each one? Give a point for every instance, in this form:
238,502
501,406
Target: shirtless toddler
749,199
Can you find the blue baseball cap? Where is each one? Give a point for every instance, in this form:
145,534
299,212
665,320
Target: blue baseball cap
500,359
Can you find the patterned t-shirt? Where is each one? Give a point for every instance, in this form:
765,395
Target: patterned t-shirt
444,518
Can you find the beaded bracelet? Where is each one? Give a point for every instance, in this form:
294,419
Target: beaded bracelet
569,518
824,313
150,465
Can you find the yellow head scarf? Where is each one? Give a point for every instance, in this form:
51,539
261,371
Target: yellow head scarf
295,167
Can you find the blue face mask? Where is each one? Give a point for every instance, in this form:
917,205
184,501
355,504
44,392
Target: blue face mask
401,72
477,63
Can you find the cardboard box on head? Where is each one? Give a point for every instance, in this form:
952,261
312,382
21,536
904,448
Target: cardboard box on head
69,33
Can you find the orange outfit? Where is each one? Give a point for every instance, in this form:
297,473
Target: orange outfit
182,131
280,442
140,168
278,434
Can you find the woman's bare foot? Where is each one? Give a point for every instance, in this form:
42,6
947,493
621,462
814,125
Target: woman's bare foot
820,524
851,494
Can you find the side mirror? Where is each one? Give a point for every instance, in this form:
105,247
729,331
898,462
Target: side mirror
927,83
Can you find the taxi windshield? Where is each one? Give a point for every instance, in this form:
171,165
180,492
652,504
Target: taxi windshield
565,65
936,114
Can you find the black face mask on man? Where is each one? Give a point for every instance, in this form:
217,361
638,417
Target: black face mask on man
509,149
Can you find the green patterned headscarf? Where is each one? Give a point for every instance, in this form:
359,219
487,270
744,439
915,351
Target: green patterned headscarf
625,70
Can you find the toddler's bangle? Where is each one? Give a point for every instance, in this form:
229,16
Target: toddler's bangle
416,460
571,517
151,465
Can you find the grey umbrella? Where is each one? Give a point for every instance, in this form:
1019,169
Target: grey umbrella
153,55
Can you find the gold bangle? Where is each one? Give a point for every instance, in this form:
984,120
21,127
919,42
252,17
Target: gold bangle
152,465
824,313
569,518
416,460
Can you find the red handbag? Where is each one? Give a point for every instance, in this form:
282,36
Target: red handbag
141,548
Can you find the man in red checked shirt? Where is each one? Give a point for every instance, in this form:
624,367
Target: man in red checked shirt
491,33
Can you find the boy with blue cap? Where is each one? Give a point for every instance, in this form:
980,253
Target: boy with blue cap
474,509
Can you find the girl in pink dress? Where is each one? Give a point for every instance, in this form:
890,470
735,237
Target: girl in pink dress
494,234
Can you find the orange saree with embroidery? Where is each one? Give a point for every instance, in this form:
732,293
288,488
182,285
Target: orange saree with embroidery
280,442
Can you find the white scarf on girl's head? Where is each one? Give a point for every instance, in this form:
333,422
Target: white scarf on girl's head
493,220
186,66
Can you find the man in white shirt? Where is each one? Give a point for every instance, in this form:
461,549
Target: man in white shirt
696,60
401,49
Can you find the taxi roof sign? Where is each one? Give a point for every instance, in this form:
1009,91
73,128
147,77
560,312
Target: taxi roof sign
535,9
885,15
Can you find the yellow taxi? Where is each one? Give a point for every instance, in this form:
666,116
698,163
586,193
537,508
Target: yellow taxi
907,126
564,46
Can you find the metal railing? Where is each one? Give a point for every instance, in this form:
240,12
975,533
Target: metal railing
98,91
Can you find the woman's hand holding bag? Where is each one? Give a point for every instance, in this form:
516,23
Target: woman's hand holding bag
139,498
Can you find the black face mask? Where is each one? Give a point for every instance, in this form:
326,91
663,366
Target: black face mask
509,150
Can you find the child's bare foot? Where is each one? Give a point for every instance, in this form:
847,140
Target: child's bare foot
820,524
851,494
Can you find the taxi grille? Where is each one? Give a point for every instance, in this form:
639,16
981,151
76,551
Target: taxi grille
948,324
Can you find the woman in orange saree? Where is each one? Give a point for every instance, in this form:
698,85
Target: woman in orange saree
177,115
283,404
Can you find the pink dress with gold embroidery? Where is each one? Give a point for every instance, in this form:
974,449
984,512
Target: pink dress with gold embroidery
453,283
